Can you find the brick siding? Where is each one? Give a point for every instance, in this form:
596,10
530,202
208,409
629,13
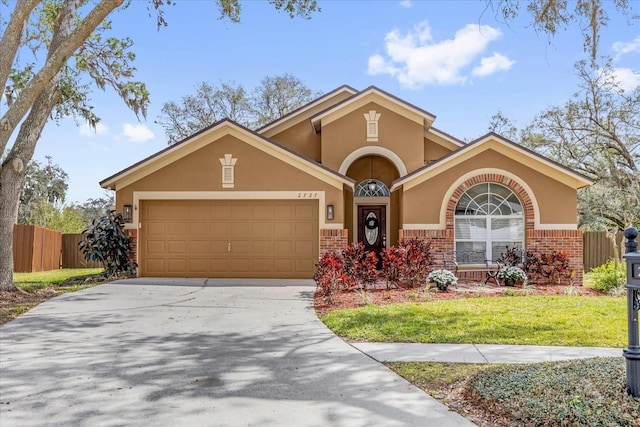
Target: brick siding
333,240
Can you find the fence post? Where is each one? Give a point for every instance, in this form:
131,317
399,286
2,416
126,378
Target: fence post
632,352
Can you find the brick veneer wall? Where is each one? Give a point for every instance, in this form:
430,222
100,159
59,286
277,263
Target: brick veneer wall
568,241
134,242
333,240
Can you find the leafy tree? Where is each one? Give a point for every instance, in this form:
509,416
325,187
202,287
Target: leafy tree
68,43
43,184
273,98
551,16
597,133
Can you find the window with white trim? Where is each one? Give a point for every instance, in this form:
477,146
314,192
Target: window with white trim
489,217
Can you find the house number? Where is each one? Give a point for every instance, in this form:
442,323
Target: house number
307,195
635,270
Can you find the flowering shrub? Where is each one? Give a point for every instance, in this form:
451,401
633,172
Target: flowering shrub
442,278
329,275
512,273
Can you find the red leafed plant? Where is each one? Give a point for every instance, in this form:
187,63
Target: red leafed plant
329,275
359,267
392,261
417,261
552,267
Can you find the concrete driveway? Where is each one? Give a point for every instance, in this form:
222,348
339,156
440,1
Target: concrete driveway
196,353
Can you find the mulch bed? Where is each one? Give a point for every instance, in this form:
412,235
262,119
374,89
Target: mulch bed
379,295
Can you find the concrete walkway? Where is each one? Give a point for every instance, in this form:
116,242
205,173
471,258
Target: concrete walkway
479,353
196,353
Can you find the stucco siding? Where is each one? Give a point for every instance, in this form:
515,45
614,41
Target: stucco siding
556,201
396,133
255,170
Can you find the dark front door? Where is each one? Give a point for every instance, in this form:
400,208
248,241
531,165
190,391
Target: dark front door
372,226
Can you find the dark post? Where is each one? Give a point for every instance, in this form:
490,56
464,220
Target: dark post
632,352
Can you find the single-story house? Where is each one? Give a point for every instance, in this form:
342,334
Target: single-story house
351,166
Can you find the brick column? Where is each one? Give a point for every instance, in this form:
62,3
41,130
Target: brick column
332,240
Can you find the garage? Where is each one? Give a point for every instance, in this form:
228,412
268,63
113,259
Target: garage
229,238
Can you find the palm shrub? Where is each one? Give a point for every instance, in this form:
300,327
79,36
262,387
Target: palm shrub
609,276
106,242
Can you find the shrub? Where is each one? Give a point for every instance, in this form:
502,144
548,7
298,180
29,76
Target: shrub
359,266
328,276
511,257
609,276
106,242
549,267
417,261
392,261
442,278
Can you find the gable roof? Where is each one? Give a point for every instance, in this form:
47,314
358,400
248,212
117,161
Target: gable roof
381,97
443,138
494,141
209,135
305,111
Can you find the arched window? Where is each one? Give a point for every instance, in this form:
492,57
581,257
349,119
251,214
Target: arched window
371,188
489,217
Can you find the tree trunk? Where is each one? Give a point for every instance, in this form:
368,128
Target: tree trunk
12,175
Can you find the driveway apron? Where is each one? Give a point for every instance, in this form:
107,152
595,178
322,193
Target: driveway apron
196,352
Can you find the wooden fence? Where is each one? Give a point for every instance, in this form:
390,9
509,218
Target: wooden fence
36,248
40,249
71,255
599,247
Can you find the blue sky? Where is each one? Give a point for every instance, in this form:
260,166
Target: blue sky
451,58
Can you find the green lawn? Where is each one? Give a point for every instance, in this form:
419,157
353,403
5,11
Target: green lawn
39,287
43,279
528,320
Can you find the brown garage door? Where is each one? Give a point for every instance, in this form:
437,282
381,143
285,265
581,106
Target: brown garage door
229,238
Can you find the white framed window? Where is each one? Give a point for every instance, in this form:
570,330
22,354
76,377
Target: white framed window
489,217
228,170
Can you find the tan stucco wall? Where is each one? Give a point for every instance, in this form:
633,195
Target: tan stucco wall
557,202
254,171
373,167
302,139
396,133
433,151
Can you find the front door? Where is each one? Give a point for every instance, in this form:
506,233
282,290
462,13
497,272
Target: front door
372,226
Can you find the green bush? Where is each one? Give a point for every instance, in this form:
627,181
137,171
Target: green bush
608,276
105,241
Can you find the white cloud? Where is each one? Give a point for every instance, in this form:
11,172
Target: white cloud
416,58
86,130
493,64
623,48
136,133
627,78
406,3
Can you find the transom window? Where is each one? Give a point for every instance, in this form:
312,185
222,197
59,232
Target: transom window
371,188
489,217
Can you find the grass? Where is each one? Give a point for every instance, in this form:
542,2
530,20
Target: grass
526,320
590,392
41,286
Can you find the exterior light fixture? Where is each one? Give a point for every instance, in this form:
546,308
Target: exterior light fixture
372,186
330,212
127,213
